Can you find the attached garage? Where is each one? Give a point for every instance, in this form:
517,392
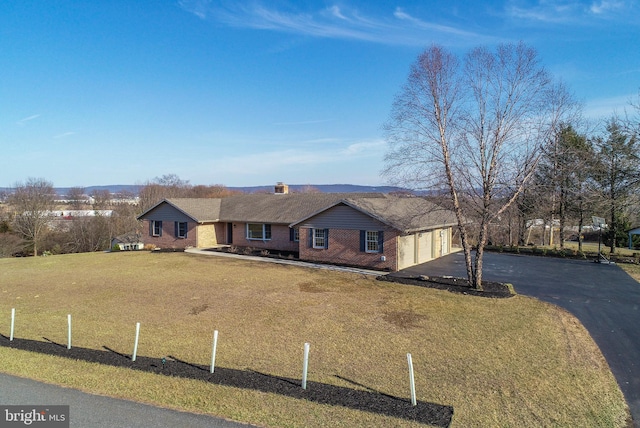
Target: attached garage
415,231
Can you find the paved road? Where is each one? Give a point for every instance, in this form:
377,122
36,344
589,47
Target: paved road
603,297
94,411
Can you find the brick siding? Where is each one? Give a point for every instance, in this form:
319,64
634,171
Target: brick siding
168,239
280,238
344,248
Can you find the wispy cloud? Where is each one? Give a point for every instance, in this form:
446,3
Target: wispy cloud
566,11
303,122
437,28
63,135
200,8
604,6
321,152
24,121
338,22
604,108
365,148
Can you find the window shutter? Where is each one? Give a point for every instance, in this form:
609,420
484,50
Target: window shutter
160,225
326,238
150,227
311,237
291,236
176,229
186,229
363,240
380,241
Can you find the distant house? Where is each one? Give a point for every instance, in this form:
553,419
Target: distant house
370,230
72,214
634,231
128,242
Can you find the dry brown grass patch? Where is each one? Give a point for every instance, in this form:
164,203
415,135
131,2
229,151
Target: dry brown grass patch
404,319
498,362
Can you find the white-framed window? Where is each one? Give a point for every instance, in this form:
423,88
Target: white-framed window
373,242
181,229
156,228
320,238
258,231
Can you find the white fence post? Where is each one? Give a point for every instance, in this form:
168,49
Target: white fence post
412,380
305,365
135,346
69,331
13,323
213,351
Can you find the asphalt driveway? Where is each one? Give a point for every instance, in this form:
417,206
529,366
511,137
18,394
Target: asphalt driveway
603,297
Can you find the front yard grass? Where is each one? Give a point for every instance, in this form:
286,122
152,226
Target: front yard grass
497,362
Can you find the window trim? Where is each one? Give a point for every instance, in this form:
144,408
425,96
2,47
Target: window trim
366,239
186,229
156,228
294,234
319,238
372,239
265,232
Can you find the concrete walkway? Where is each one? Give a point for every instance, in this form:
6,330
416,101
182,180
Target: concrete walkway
311,265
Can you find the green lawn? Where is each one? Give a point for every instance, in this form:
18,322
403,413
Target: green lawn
498,362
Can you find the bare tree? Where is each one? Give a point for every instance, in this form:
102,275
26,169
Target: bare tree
32,203
76,197
88,234
101,199
213,191
564,111
167,186
474,127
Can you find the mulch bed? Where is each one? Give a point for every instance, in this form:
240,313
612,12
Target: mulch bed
364,398
452,284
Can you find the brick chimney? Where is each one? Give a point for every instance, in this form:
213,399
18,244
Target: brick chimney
281,189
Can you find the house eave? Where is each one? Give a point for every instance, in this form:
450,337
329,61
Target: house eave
426,229
141,216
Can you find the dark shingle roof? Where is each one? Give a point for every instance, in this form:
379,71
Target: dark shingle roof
202,210
405,214
283,209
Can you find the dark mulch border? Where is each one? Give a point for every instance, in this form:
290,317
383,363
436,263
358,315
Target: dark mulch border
368,400
455,285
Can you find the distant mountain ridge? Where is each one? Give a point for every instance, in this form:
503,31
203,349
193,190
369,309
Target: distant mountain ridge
324,188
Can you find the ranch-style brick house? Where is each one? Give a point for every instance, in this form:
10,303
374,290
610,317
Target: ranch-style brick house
370,230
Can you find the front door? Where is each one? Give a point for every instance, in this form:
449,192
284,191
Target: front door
229,233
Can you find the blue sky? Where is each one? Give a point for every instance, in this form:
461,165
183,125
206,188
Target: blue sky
253,92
